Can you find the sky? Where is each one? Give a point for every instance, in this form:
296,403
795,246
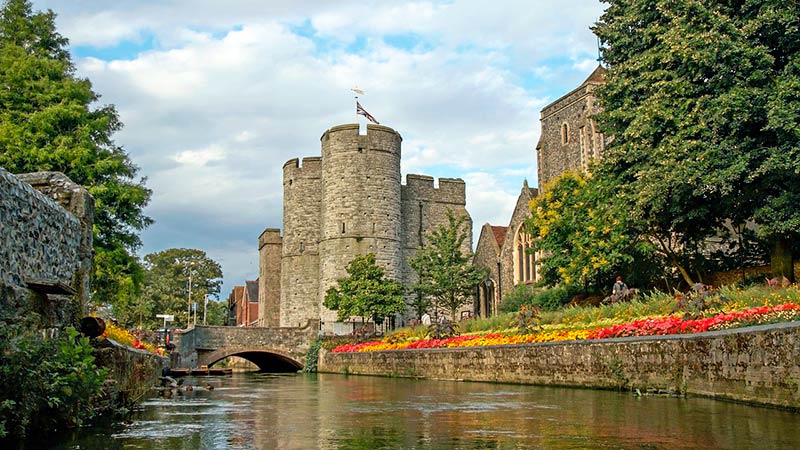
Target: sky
216,96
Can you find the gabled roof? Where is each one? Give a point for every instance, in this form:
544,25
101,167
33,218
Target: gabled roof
499,234
252,290
598,76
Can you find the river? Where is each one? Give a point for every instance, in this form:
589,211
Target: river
325,411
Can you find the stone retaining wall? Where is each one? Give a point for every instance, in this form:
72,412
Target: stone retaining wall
45,243
134,372
759,365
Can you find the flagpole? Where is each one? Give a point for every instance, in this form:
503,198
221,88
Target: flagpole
356,107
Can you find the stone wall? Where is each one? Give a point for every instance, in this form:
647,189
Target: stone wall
572,147
758,364
348,202
302,203
424,208
46,247
134,371
361,203
270,248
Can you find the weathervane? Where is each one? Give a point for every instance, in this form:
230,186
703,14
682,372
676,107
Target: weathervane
360,111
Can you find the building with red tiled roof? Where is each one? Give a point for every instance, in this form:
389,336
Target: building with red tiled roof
504,253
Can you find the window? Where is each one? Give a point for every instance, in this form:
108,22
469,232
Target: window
524,258
342,227
565,133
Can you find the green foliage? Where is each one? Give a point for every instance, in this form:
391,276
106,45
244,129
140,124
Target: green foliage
446,274
548,299
365,292
312,357
47,384
48,122
166,289
522,294
442,329
527,320
586,238
698,301
497,323
701,99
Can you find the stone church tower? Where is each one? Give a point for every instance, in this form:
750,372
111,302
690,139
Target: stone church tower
569,138
346,203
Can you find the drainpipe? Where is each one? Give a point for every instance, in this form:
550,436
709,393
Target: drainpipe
499,281
419,232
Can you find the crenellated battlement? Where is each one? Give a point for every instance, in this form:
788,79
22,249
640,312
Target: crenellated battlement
421,187
347,138
311,167
348,201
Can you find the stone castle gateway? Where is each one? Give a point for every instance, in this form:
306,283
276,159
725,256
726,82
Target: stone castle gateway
348,202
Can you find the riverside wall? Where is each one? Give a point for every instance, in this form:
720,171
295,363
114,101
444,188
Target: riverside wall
757,365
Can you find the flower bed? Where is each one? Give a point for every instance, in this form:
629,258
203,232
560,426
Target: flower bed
648,327
124,337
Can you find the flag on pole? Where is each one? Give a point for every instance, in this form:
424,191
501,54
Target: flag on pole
363,112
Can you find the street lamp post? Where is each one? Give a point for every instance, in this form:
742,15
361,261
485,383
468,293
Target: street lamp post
189,302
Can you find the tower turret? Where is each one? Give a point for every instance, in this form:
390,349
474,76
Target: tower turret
361,203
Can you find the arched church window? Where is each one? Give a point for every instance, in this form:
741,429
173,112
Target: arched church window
524,257
565,133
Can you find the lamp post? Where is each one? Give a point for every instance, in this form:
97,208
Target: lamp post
189,302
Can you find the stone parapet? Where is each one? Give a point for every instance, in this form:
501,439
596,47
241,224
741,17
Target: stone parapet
758,365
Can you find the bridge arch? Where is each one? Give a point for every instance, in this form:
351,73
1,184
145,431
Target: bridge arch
267,360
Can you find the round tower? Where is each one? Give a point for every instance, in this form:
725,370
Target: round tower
360,203
300,256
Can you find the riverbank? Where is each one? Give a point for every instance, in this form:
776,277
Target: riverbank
756,365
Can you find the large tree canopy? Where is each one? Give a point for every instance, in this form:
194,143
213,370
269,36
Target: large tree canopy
701,98
167,279
50,120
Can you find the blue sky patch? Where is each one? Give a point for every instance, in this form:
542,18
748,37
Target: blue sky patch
125,50
408,42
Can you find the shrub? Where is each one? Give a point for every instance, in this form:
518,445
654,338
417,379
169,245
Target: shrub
520,295
47,383
545,299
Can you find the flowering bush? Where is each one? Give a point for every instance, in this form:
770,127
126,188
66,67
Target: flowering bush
646,327
125,337
675,325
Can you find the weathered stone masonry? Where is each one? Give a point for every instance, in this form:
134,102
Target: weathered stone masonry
45,246
759,365
347,202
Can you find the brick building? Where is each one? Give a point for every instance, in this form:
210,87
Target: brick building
243,305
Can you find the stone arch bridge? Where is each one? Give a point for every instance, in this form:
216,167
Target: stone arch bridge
272,349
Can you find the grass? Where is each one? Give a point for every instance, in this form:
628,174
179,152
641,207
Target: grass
654,304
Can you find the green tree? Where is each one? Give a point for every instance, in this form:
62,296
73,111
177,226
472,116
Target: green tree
166,289
445,271
586,238
365,292
49,121
701,100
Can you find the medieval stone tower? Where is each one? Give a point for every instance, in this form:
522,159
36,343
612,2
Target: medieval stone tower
348,202
570,139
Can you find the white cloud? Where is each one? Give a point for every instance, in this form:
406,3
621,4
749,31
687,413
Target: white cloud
229,91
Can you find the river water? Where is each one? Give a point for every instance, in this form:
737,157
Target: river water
325,411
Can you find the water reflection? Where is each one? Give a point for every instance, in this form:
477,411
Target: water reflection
331,412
